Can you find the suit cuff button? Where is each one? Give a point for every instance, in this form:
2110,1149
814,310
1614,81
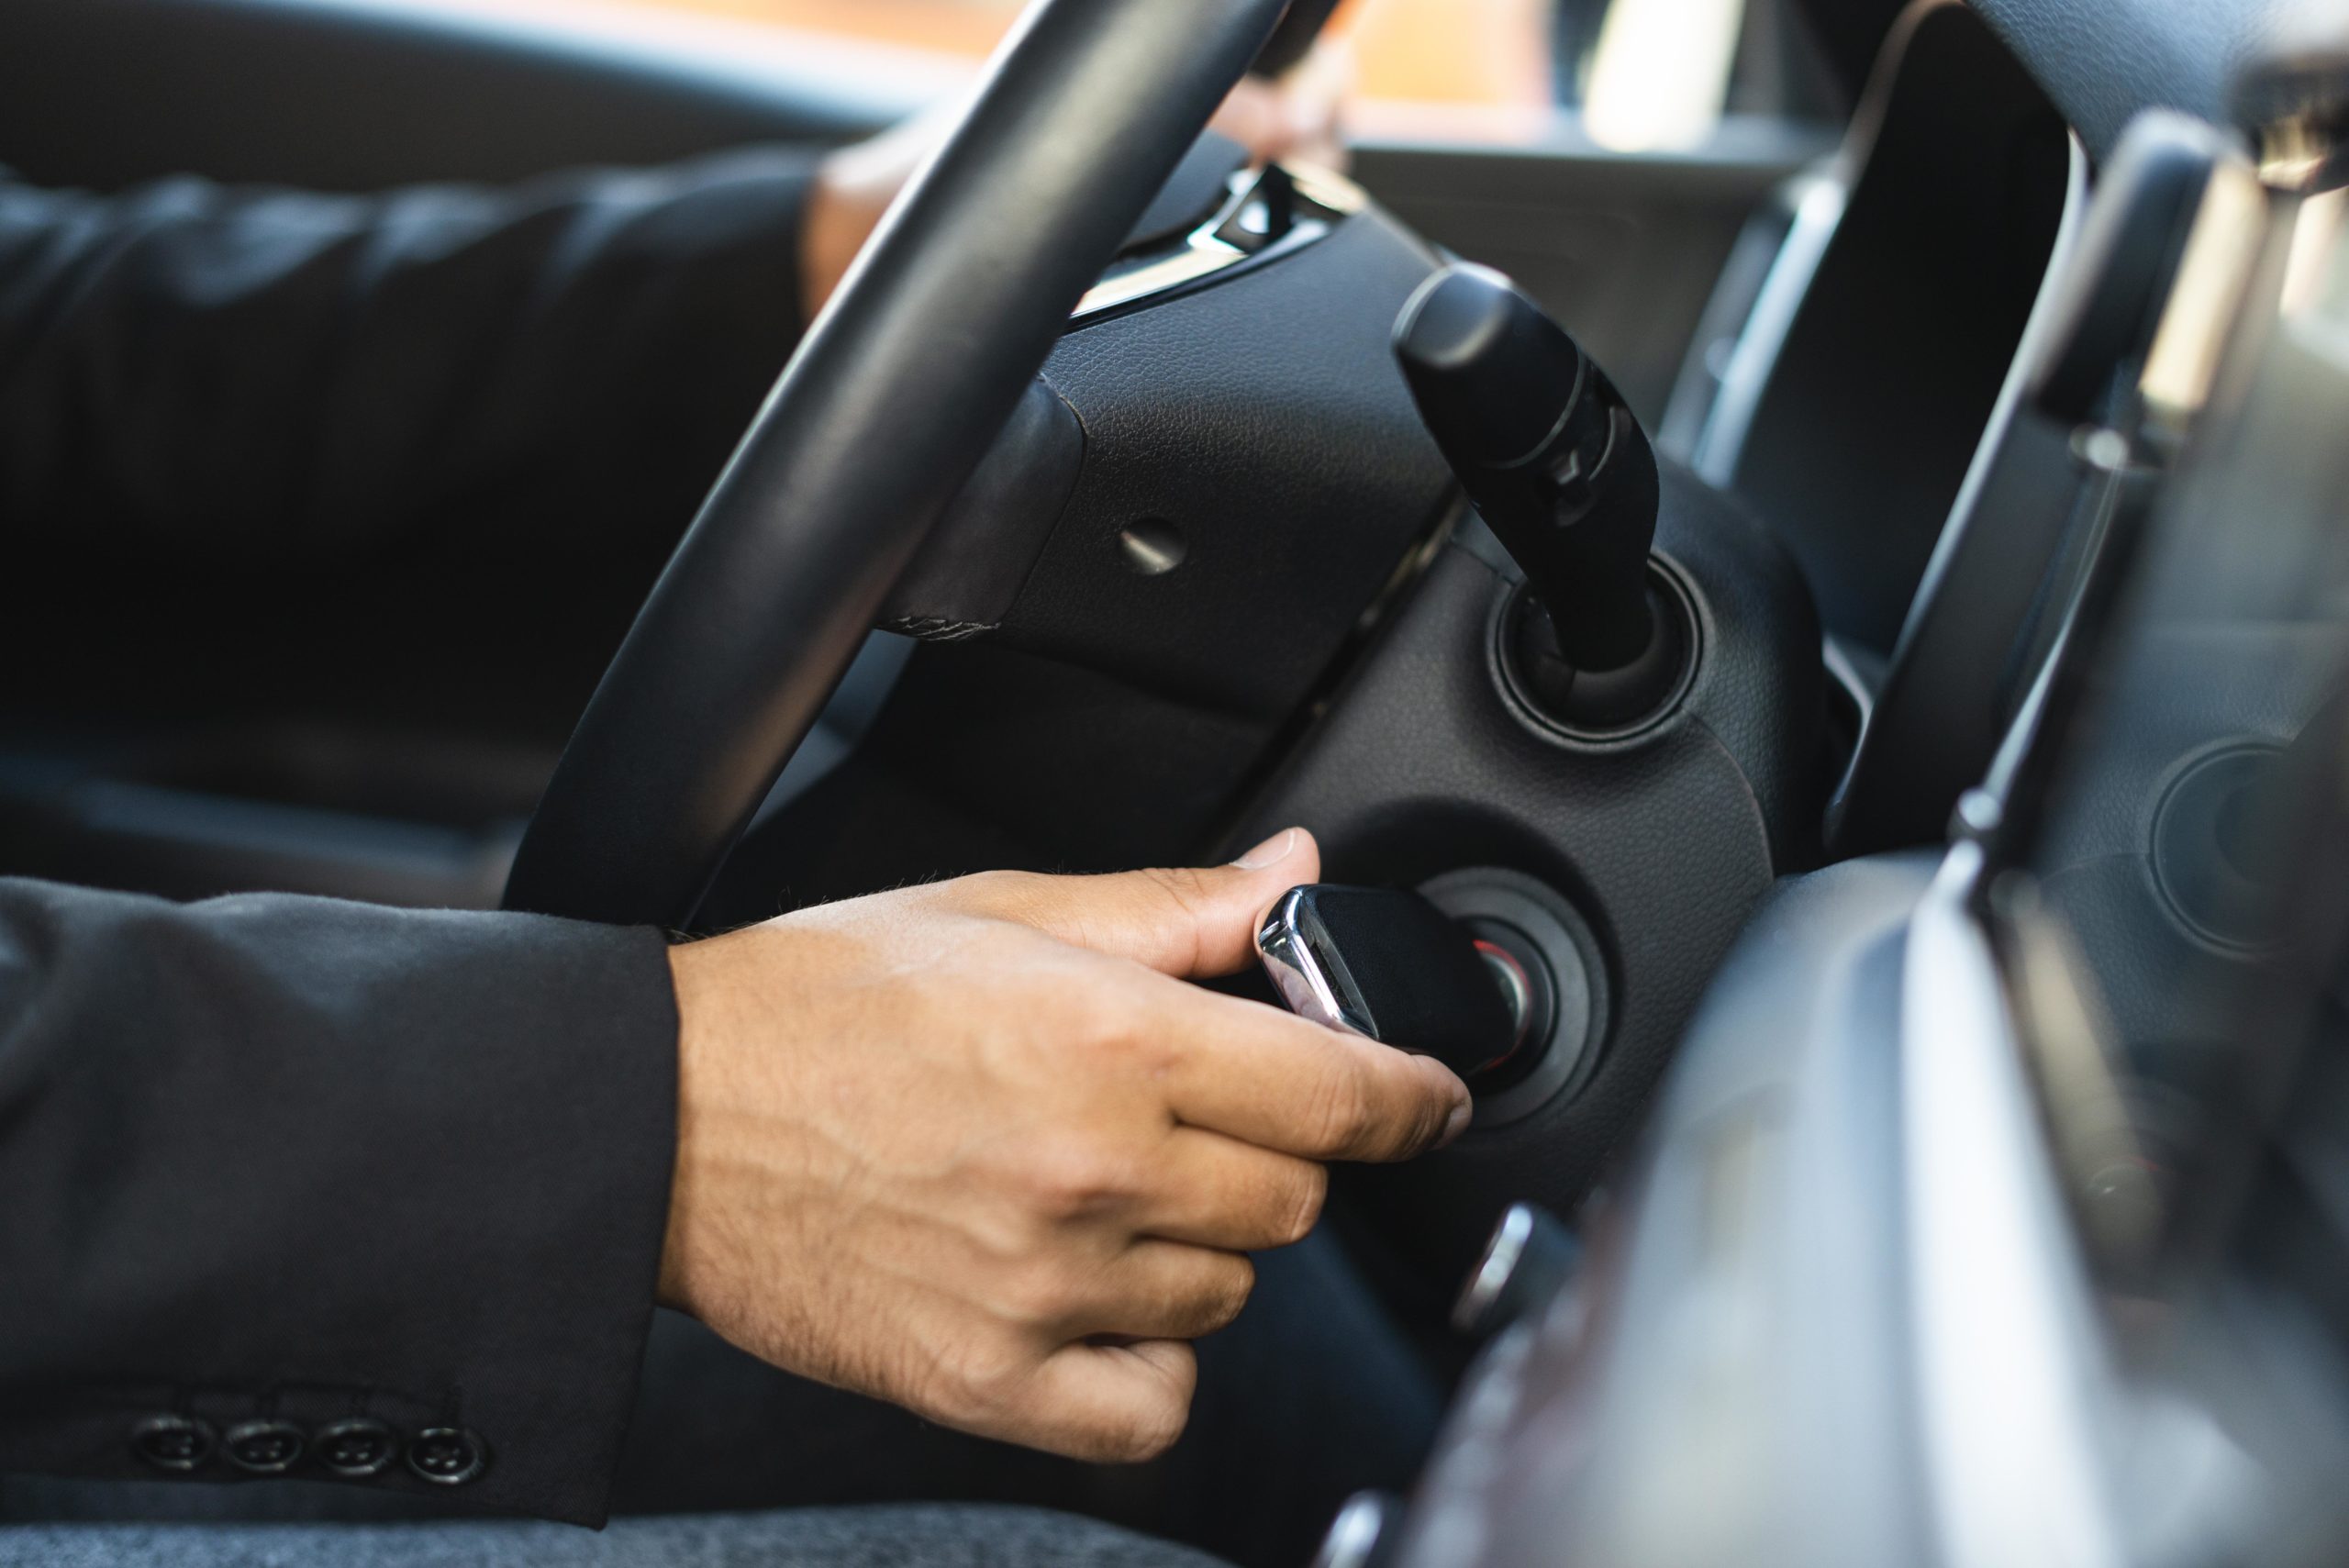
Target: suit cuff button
177,1444
357,1448
264,1447
448,1456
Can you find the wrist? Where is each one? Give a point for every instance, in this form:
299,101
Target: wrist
841,210
849,195
688,977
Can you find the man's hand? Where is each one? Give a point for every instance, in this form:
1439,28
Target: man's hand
1296,116
977,1148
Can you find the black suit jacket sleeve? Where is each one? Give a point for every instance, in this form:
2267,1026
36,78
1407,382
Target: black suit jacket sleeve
194,371
275,1158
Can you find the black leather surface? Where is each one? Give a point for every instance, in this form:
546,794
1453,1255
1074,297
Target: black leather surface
1662,844
971,566
1294,40
1264,424
2103,61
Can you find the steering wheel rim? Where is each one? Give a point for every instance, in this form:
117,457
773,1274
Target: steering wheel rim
880,419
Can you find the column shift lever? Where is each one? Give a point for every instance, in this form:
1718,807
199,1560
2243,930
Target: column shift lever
1560,470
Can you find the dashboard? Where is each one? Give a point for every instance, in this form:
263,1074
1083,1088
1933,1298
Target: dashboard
1992,1212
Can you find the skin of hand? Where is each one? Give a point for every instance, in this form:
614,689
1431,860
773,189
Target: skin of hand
978,1149
1295,116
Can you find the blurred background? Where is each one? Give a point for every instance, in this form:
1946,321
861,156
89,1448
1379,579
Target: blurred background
1634,74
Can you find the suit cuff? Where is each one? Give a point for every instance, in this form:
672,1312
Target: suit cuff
292,1161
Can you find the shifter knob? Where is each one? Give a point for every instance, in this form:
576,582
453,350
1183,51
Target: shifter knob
1548,450
1392,966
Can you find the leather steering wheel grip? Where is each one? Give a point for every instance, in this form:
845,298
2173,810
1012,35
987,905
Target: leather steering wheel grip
883,415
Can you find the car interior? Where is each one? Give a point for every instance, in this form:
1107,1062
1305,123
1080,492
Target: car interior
1848,615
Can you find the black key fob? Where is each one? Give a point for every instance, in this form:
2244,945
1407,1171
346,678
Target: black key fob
1390,965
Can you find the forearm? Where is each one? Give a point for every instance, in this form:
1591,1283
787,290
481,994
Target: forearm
290,1159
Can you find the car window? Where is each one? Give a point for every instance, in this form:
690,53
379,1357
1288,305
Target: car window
1636,74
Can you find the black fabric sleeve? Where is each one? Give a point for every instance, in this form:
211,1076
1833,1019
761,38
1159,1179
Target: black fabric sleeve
296,1160
217,372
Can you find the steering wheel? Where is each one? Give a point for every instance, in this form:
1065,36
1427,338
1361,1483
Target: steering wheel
879,420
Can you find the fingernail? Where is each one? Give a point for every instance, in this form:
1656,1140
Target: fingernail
1271,852
1456,1123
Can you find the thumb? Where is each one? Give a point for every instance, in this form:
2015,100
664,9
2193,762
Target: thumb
1189,922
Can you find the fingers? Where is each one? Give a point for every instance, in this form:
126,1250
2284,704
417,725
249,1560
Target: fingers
1251,1072
1274,1080
1114,1404
1214,1191
1162,1290
1190,922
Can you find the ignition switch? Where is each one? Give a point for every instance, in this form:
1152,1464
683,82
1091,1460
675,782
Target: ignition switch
1388,964
1487,971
